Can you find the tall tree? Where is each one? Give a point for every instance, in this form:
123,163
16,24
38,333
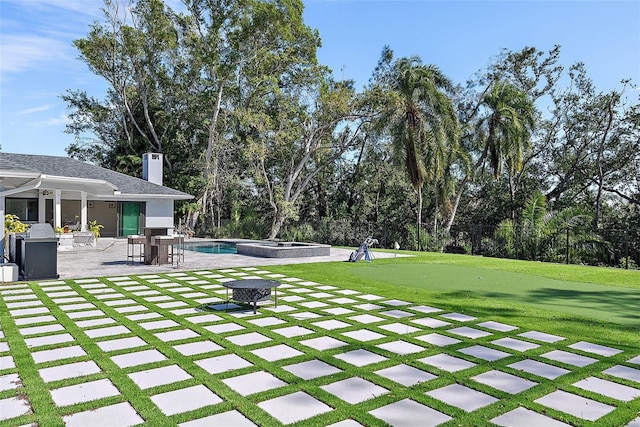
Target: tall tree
422,118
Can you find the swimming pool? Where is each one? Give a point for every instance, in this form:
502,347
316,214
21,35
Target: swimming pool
212,247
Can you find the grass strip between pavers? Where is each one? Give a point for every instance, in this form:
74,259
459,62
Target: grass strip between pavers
520,315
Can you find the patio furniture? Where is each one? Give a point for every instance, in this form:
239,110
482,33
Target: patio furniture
178,248
134,242
151,250
252,290
163,246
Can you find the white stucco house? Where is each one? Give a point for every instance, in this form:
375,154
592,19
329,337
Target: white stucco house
68,192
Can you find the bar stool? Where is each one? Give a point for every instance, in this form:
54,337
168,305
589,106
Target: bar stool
178,248
165,249
135,241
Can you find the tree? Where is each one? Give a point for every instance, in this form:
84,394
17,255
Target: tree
422,120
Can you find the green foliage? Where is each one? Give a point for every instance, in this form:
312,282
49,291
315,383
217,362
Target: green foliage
95,228
12,224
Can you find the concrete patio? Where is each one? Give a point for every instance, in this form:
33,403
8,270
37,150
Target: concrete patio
109,257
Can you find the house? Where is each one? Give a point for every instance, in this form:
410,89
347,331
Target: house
68,192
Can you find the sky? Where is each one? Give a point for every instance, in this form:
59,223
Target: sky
38,62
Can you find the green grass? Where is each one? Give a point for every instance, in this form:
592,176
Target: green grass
580,303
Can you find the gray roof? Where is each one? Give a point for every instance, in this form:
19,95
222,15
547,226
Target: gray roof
68,167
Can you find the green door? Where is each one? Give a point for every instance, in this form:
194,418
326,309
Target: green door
130,218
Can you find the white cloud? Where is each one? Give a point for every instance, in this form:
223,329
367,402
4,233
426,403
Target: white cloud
23,52
34,110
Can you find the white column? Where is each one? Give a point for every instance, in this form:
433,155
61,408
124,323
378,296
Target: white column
57,216
41,207
83,211
2,231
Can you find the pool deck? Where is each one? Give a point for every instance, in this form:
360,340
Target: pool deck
109,257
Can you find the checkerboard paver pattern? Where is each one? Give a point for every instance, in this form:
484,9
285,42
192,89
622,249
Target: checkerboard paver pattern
117,350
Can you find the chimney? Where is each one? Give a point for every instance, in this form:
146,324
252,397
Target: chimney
152,167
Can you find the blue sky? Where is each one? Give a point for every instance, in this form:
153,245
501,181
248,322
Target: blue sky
38,61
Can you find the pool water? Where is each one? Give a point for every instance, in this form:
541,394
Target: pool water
212,248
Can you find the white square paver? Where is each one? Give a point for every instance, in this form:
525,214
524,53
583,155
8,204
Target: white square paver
71,370
205,318
323,343
12,407
158,324
276,352
458,317
159,376
305,315
230,418
438,340
484,353
248,339
293,331
254,382
462,397
354,390
121,344
57,354
36,330
338,311
224,327
366,319
313,304
118,415
218,364
522,417
399,328
400,347
311,369
569,358
185,399
360,357
406,375
608,388
107,332
143,316
48,340
541,336
84,392
95,322
466,331
538,368
9,382
635,360
447,363
578,406
406,413
634,423
267,321
431,322
138,358
396,302
397,314
497,326
600,350
624,373
504,382
425,309
181,334
514,344
198,347
331,324
368,306
294,407
363,335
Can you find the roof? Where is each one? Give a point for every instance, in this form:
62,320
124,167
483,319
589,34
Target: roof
66,167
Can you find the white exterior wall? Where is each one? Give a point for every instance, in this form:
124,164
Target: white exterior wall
159,213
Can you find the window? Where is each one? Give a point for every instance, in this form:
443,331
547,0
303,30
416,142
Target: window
25,209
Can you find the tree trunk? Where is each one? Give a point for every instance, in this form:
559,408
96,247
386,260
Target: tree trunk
419,216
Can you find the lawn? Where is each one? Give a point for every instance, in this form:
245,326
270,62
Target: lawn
361,342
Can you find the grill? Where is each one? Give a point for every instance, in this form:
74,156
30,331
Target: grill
36,253
40,231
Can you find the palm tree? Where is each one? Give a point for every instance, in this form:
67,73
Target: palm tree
424,122
507,130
